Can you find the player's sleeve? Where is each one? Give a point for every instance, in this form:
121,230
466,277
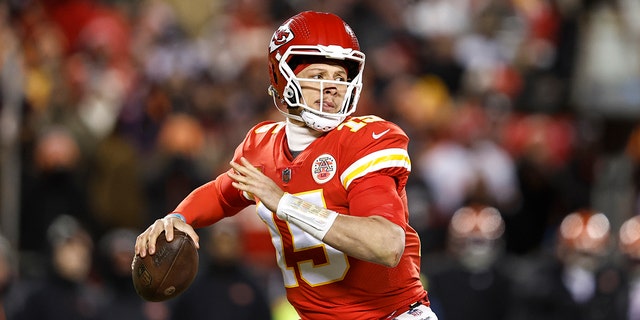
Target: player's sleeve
376,177
386,155
376,195
214,200
211,202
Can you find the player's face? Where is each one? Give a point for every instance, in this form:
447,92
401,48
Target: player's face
322,95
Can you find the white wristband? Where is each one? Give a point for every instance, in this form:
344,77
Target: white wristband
309,217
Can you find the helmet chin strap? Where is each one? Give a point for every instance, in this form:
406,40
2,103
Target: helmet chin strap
320,123
275,97
312,120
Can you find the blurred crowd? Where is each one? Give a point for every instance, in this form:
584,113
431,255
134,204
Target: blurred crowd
524,119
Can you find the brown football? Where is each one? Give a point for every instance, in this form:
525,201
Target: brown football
168,272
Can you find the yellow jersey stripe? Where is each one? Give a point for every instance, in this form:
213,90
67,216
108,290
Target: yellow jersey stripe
387,158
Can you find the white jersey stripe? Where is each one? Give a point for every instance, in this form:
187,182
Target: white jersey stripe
387,158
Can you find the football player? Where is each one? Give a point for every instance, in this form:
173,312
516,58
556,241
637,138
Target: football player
330,186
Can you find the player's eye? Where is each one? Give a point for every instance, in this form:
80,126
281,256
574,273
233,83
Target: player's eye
338,78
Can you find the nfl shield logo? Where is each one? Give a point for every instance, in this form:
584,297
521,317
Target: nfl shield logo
286,175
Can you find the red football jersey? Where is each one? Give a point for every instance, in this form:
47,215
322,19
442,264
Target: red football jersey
360,168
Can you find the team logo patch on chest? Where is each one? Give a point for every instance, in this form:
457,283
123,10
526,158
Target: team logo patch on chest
324,168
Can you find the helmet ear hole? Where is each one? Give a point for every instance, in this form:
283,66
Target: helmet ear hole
288,93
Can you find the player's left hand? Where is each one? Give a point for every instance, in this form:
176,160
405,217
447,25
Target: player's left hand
249,179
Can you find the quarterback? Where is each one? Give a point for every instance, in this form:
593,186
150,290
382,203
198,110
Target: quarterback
330,186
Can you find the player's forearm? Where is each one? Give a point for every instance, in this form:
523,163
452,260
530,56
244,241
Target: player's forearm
197,208
374,239
211,202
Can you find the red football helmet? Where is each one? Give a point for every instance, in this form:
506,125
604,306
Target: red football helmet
314,36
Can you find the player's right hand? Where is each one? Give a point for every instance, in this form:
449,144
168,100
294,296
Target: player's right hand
146,241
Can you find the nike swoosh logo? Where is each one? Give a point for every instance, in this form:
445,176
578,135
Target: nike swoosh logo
378,135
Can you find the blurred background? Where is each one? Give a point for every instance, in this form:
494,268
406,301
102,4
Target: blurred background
524,119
